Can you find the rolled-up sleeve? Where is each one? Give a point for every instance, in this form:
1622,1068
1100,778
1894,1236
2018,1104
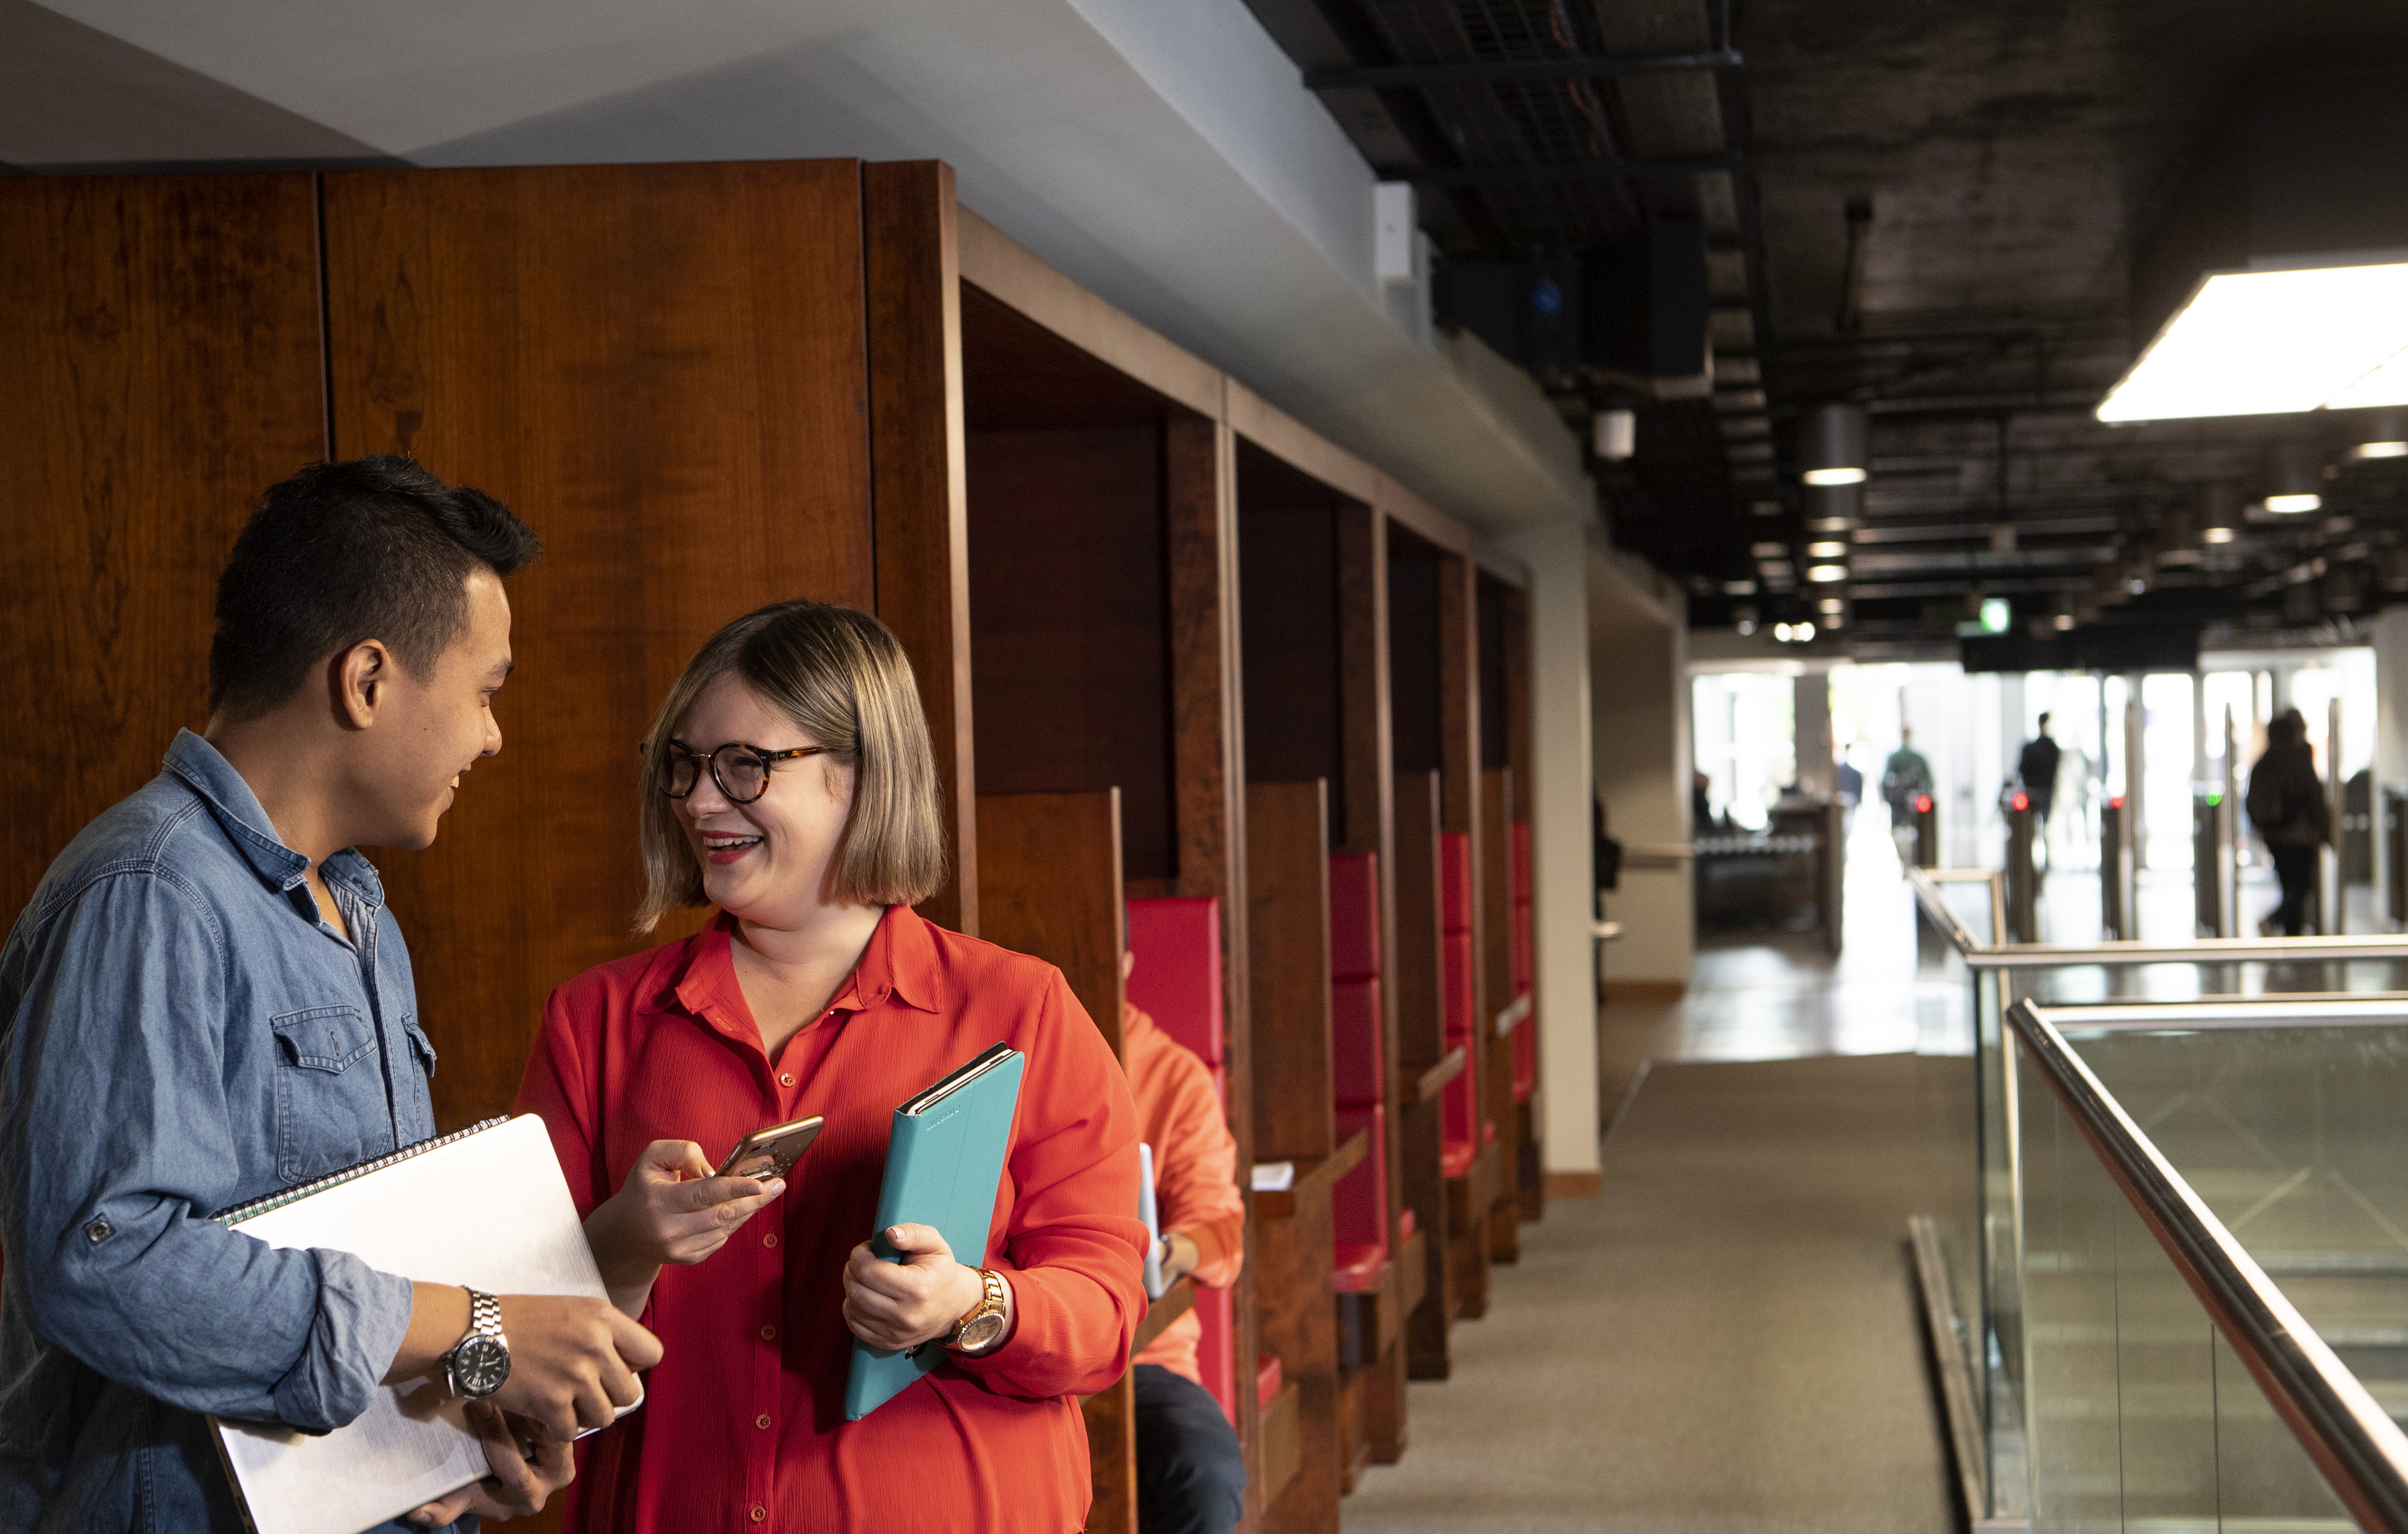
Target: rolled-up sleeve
112,1163
1075,1259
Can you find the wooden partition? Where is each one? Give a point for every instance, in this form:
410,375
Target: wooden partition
1287,872
1100,560
1050,885
1505,735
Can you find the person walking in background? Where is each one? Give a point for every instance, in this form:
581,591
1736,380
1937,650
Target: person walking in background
2285,802
1905,775
2036,771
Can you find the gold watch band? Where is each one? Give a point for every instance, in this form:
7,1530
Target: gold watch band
991,1302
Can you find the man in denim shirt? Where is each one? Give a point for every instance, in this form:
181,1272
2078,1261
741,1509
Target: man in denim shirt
208,1001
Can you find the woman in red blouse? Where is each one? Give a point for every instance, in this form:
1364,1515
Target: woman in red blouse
791,785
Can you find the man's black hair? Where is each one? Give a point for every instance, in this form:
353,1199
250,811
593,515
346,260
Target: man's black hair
369,549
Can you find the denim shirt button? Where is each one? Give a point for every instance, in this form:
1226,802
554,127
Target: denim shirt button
97,1232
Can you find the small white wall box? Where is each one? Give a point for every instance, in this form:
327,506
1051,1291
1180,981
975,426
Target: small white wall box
1393,224
1614,435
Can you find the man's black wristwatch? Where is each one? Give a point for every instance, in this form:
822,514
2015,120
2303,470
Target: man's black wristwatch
480,1361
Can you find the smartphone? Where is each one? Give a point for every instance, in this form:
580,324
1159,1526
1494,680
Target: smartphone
772,1150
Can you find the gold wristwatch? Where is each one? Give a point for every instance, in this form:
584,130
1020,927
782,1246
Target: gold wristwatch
983,1325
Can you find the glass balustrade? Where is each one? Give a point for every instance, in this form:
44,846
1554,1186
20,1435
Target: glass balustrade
2293,1131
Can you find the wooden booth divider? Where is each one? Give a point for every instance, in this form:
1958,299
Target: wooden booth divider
709,387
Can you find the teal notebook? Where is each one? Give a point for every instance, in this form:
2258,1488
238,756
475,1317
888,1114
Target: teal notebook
944,1161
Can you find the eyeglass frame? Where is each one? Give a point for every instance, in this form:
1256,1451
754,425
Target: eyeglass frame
768,760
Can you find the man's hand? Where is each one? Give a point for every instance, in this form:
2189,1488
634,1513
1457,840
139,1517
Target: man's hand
1180,1256
519,1485
573,1361
902,1305
669,1210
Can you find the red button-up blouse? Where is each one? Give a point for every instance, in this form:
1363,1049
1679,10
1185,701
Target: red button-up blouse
743,1427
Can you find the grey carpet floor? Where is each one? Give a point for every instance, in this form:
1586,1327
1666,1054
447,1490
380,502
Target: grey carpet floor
1724,1341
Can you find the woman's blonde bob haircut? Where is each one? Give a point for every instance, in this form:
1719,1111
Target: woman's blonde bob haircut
846,683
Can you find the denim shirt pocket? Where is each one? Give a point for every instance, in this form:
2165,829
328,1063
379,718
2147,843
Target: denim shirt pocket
330,1096
421,1047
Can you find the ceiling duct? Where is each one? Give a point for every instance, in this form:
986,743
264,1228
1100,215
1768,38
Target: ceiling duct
2279,280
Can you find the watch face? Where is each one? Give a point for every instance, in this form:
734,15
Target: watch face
981,1330
478,1367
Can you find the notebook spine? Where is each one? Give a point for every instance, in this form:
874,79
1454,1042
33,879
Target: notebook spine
277,1200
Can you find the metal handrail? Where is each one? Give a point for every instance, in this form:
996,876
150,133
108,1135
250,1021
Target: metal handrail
2005,956
2355,1444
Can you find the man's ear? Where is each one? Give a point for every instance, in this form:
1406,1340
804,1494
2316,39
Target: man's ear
361,676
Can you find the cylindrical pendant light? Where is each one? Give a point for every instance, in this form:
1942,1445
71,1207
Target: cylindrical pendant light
2294,483
1831,445
2219,513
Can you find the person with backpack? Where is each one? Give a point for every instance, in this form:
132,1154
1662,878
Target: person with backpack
2286,803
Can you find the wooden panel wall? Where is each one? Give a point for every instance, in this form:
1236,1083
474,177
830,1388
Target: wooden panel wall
912,268
159,367
1287,871
1068,610
1421,1040
1050,877
661,368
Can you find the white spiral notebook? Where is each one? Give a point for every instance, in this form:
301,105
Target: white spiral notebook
486,1208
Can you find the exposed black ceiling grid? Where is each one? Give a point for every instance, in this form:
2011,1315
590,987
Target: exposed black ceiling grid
1927,210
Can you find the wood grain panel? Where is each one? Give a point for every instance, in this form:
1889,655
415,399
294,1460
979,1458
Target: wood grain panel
1419,1009
662,369
162,368
912,265
1496,901
1070,623
1287,912
1299,1323
1050,885
1112,1457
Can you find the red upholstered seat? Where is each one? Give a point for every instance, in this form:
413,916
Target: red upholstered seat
1353,914
1178,976
1526,967
1358,1204
1354,1043
1455,1156
1358,1266
1459,1109
1216,1348
1267,1379
1454,955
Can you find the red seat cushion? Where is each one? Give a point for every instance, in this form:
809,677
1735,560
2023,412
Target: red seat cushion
1359,1265
1178,976
1455,1158
1358,1204
1353,914
1455,958
1267,1379
1455,881
1356,1076
1459,1106
1216,1348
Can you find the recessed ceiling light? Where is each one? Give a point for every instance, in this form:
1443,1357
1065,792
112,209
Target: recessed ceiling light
2265,343
2292,505
1830,549
1831,604
1826,572
1769,551
2218,534
2379,450
1834,476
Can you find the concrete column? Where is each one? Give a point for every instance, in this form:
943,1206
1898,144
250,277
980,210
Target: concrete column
1637,634
2390,739
1818,769
1562,866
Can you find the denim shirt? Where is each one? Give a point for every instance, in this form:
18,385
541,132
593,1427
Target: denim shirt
180,1032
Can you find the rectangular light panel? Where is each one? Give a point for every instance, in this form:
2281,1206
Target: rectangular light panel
2276,342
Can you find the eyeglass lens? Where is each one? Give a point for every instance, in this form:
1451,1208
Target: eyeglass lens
740,775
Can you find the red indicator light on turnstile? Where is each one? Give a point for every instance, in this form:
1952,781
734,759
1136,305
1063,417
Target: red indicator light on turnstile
2022,801
2116,803
1923,804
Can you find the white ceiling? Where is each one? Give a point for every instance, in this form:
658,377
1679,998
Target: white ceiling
1164,155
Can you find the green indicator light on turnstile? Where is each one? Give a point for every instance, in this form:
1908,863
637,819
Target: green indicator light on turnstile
2214,799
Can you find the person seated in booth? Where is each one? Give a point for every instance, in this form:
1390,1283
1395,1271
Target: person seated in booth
790,783
1191,1478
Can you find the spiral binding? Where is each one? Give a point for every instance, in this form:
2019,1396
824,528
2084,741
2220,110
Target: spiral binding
290,1195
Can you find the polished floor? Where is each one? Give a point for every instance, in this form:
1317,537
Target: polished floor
1725,1340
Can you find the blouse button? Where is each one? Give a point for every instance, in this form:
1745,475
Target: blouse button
768,1334
759,1513
769,1240
786,1080
761,1421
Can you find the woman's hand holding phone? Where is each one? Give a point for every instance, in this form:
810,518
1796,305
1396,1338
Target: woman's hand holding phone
669,1210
